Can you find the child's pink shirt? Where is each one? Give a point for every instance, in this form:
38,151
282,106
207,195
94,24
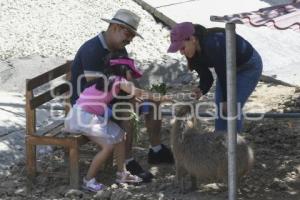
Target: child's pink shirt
94,101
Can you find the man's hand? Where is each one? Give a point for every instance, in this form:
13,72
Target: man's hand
197,93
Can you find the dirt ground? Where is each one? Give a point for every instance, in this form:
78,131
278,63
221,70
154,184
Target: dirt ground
276,144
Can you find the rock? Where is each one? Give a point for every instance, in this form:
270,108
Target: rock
16,198
62,189
297,90
21,192
121,194
72,193
42,179
124,186
114,186
162,187
9,184
251,195
278,184
247,190
103,195
277,162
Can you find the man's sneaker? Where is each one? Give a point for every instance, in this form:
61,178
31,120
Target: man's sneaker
135,169
164,155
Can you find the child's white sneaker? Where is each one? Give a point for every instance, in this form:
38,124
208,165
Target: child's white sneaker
92,185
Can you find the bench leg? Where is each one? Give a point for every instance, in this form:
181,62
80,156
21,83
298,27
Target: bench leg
31,160
74,167
30,164
67,155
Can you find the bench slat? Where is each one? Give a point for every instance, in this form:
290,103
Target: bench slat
43,140
47,96
45,130
48,76
55,132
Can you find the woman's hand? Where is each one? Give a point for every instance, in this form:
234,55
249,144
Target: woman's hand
197,93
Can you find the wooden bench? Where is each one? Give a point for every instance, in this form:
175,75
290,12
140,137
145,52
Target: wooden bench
53,133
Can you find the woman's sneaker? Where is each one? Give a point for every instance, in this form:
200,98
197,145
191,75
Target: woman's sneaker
126,177
92,185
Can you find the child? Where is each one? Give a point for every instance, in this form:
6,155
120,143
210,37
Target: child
89,117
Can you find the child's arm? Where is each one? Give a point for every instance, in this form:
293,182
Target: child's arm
143,94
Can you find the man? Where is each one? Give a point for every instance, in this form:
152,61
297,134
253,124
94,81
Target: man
90,60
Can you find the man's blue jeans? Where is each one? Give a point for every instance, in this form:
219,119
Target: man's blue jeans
248,76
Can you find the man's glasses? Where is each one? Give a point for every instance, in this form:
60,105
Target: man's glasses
128,33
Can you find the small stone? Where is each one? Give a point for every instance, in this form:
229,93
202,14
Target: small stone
21,191
251,195
19,147
162,187
61,189
121,194
279,185
124,185
297,90
103,195
72,193
247,190
277,162
264,166
114,186
9,184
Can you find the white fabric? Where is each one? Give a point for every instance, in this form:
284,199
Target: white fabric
79,121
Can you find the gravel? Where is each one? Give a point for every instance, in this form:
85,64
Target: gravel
58,28
47,33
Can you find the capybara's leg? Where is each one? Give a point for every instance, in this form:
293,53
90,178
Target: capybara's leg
180,176
194,182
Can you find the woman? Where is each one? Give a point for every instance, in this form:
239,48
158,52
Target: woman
206,48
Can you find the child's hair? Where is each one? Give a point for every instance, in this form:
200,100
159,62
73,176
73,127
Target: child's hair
116,70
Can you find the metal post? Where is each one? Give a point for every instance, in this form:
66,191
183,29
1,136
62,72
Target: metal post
231,107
